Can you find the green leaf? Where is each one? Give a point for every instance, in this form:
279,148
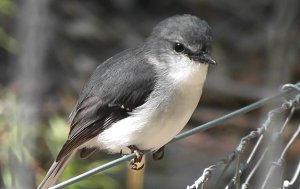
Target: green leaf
7,7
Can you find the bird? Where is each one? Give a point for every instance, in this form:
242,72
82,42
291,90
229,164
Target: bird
142,97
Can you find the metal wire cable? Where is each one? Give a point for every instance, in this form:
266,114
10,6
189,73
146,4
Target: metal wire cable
287,90
289,107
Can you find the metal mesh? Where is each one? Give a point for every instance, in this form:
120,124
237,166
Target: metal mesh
262,153
259,159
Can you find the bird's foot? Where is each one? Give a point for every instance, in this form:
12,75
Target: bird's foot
139,156
159,154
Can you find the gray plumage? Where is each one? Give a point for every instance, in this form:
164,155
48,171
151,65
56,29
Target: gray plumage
142,96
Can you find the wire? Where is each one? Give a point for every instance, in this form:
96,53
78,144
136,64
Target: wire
288,88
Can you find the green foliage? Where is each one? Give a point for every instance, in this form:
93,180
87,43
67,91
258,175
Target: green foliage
95,182
7,11
55,135
12,138
7,7
6,41
14,150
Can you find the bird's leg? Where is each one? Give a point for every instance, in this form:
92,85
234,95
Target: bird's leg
139,156
159,154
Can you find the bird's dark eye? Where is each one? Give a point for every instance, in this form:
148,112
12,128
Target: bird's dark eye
178,47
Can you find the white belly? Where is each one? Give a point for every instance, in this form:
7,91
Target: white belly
164,115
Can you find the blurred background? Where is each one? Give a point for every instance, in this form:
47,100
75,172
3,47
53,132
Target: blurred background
48,49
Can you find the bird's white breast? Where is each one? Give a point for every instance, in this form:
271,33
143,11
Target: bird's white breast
164,114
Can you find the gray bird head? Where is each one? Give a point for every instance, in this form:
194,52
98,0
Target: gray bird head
183,35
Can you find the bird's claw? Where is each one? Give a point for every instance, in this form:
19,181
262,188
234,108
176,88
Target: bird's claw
135,167
159,154
139,156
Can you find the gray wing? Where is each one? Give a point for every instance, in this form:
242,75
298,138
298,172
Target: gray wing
117,86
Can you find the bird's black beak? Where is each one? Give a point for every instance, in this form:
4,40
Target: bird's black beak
206,58
203,58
